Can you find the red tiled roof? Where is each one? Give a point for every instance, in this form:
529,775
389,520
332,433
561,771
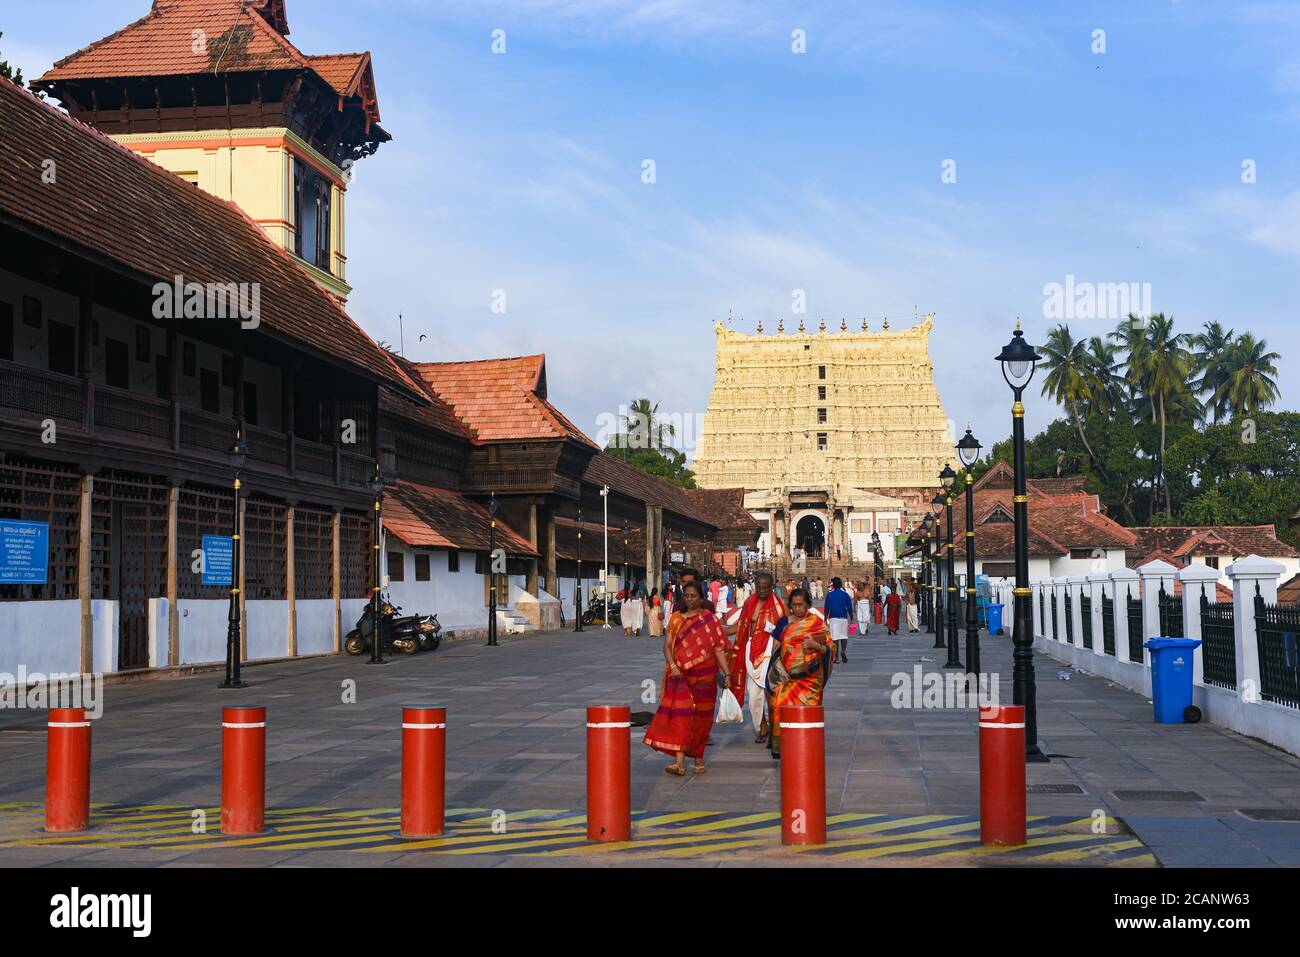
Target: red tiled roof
115,204
422,516
605,469
241,36
725,508
1184,541
436,414
1288,593
500,399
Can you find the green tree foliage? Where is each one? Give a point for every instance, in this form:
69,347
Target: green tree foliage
667,463
1168,427
10,72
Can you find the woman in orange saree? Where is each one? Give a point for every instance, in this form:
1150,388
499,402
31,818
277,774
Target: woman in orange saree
695,650
799,670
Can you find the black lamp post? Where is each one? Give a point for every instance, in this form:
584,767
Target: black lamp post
238,455
936,614
1018,360
946,478
376,640
577,584
968,450
925,570
493,506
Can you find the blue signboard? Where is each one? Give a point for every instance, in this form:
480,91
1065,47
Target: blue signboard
218,560
24,552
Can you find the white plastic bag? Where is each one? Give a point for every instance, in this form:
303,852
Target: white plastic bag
729,708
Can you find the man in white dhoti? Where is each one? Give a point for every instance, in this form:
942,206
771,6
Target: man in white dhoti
863,608
753,630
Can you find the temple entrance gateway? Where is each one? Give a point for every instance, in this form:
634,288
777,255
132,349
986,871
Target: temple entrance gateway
810,536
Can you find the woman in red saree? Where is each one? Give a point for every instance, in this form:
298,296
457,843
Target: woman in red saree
695,650
800,665
893,604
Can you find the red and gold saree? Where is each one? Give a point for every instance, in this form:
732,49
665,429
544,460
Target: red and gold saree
685,715
798,674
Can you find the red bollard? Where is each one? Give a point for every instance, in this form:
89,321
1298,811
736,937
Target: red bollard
243,770
424,770
1002,775
803,774
609,774
67,771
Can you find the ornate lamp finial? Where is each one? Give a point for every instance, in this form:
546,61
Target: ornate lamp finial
801,328
844,325
760,327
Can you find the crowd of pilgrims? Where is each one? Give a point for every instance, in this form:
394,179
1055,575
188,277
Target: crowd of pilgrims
768,643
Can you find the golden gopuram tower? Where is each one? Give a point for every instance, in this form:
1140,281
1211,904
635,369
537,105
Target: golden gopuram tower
833,435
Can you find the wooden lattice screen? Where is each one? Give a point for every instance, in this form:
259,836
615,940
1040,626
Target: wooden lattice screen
265,550
200,511
355,567
313,552
38,492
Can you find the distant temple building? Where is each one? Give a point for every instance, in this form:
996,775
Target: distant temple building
833,435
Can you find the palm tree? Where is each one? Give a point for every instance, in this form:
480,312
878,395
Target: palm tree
1212,345
1070,377
645,417
1250,377
1165,373
1107,394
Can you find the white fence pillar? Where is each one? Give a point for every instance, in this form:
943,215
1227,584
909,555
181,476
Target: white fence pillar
1250,575
1096,593
1196,580
1154,575
1074,588
1122,580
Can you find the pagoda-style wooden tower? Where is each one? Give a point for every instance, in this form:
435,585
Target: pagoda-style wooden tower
214,91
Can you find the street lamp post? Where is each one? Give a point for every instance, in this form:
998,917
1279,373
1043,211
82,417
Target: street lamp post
968,450
493,506
936,615
376,641
577,582
604,568
1018,360
238,455
925,570
947,477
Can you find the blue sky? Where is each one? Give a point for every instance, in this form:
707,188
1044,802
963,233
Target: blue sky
778,171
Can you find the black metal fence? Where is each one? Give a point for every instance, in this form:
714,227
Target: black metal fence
1069,617
1134,627
1171,614
1108,625
1218,642
1277,629
1056,632
1085,614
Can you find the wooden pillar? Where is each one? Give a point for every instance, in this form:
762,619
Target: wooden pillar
173,586
290,588
552,567
532,540
651,576
337,583
83,576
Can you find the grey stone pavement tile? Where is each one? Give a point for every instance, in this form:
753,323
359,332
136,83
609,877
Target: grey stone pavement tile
516,740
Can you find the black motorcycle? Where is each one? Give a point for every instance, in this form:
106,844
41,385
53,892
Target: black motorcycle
407,634
595,613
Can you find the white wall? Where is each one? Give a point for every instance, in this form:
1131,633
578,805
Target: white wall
455,597
42,636
266,625
316,626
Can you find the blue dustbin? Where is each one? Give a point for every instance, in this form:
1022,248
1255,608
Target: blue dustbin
995,619
1171,677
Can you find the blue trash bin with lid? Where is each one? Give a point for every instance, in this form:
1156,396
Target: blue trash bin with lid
1171,677
995,619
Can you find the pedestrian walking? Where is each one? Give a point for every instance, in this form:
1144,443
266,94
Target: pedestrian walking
863,608
656,614
695,652
801,662
838,611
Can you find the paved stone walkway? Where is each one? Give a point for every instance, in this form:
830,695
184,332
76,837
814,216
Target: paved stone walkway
516,742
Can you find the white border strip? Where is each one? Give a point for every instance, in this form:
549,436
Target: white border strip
421,727
69,724
1000,725
803,724
240,725
609,724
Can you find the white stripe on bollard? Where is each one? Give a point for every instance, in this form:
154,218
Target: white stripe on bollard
1001,725
804,724
240,725
421,727
609,724
69,724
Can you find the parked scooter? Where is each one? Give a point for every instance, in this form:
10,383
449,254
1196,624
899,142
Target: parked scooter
407,634
595,613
